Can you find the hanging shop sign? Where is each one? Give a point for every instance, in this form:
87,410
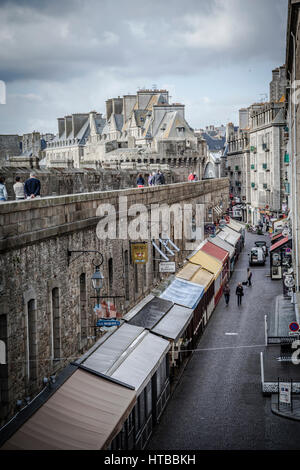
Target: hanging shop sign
108,322
167,267
139,253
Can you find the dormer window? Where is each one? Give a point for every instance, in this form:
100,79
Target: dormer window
180,129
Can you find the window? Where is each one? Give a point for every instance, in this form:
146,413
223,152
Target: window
56,333
82,306
144,278
126,274
136,279
31,341
110,274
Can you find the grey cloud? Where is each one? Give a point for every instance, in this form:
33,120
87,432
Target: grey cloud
58,40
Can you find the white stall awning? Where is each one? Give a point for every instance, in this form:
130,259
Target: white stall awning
174,323
110,350
143,361
183,293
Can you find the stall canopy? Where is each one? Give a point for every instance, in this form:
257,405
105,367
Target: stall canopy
105,356
151,313
215,251
276,237
183,293
142,362
194,273
207,262
138,307
279,244
229,235
131,355
223,244
234,225
85,413
174,323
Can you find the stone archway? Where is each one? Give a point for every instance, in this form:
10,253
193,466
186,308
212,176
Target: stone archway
209,171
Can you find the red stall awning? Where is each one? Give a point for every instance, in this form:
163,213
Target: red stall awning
279,244
215,251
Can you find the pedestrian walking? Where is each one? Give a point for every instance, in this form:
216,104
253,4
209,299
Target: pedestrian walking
3,191
158,178
239,293
140,181
151,179
226,292
19,189
191,177
249,277
32,187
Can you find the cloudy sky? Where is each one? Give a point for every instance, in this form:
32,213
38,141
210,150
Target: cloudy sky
65,56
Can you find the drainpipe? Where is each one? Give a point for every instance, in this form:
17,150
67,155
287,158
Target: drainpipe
295,174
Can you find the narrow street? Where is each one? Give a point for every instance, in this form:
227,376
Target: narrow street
218,404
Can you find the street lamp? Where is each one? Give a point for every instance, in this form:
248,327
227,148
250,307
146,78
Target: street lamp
97,282
97,279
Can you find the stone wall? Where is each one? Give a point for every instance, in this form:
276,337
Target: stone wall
9,146
73,181
49,331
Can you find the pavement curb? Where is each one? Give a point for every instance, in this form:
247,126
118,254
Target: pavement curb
287,414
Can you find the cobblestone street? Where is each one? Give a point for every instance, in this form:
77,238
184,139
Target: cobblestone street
218,403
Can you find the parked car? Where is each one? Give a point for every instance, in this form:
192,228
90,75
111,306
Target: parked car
262,244
257,256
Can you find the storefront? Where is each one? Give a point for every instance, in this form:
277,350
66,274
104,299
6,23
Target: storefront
87,412
233,238
168,320
280,257
187,294
134,356
213,266
225,246
197,275
220,255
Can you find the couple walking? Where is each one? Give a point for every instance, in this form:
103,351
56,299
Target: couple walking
239,290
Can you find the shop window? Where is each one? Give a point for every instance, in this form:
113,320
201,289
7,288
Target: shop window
31,341
56,331
136,279
126,274
110,274
83,315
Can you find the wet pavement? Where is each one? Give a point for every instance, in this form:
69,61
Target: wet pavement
218,403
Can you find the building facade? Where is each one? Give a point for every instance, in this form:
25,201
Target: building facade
267,161
293,134
143,132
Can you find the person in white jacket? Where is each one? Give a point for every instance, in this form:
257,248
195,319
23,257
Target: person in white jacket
3,192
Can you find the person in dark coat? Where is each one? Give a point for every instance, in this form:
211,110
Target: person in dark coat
249,277
140,181
32,187
239,293
226,292
159,178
